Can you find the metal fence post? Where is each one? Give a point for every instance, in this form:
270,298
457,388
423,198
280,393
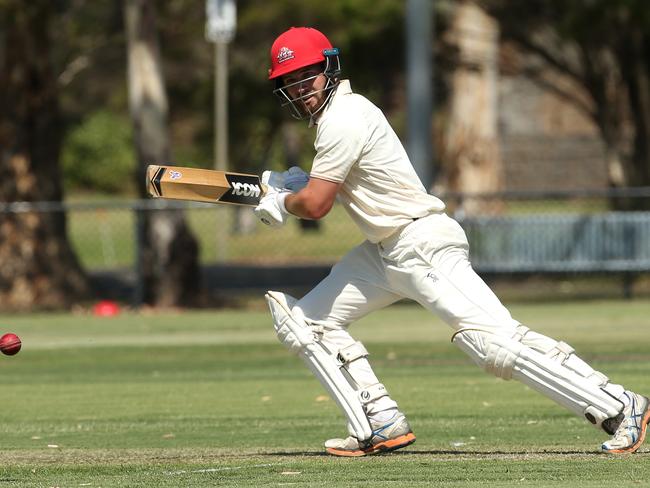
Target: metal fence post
140,240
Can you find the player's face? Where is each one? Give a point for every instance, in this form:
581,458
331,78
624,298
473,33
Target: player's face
306,85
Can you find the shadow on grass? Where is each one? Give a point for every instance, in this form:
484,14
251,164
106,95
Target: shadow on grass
455,453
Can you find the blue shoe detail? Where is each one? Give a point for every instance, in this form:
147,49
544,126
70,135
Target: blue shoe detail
377,433
632,430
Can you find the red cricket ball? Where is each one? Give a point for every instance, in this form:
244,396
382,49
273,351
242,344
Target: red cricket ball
10,344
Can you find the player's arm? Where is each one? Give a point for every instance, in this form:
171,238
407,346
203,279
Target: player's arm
314,201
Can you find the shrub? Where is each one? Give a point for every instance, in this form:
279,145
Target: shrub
98,155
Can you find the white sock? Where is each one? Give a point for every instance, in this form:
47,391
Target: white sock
384,415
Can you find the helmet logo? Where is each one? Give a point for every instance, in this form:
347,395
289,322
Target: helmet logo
285,54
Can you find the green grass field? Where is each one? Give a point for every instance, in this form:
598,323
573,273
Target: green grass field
210,398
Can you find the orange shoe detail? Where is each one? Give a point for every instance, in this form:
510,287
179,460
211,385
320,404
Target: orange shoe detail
385,446
633,448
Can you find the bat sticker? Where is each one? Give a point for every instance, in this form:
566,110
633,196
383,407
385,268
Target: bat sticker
244,190
156,180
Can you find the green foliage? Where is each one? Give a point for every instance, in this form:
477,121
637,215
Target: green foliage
601,47
91,58
368,32
99,155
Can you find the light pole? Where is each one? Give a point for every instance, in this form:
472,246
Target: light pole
220,28
419,27
221,23
221,105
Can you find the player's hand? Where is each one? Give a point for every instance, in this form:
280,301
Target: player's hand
271,210
273,179
295,179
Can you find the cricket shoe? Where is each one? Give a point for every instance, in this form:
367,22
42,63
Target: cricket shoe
386,436
631,432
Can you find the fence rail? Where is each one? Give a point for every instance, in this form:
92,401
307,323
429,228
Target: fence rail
612,241
518,232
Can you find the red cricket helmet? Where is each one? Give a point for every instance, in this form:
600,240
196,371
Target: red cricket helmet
296,48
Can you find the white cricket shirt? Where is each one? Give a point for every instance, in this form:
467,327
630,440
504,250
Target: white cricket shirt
355,145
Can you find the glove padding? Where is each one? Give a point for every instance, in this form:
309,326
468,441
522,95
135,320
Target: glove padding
271,210
273,179
294,179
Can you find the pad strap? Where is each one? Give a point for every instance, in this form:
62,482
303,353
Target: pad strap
372,393
560,352
351,353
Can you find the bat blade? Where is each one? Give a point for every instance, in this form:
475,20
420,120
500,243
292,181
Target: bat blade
203,185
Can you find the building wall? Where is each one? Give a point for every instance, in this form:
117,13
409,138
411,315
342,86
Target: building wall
546,143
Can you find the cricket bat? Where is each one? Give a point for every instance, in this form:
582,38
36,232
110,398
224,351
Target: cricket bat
204,185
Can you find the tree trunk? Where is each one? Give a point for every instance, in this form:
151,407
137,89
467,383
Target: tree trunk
638,81
631,167
38,268
473,162
169,262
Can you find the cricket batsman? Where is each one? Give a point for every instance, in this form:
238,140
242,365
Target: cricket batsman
412,250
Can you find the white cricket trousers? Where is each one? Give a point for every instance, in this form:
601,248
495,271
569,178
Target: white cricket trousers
426,261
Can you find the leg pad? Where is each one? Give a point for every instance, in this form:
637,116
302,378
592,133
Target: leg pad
507,358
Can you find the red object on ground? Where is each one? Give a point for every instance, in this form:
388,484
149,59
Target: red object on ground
10,344
106,308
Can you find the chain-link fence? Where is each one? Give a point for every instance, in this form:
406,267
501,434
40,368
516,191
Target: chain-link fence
561,232
104,234
509,233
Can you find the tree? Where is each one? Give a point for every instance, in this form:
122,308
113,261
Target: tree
470,148
368,32
170,254
38,267
602,46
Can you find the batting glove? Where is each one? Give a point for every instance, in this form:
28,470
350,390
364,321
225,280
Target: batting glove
295,179
271,210
273,179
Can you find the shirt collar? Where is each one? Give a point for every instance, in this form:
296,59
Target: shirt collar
343,88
